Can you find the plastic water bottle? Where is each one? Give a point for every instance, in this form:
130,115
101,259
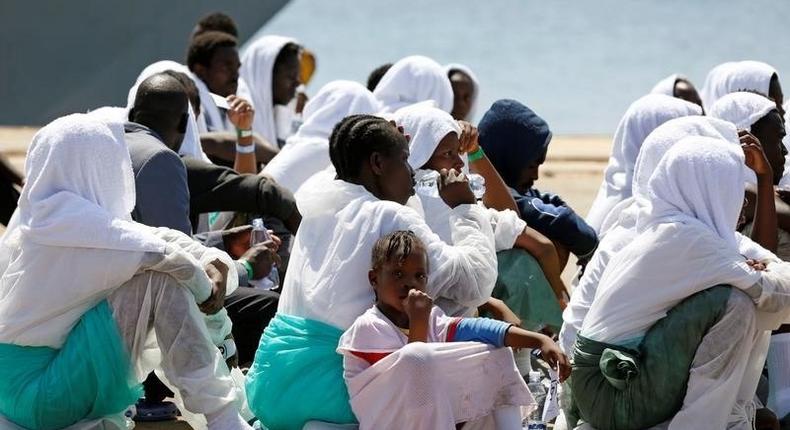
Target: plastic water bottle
535,419
259,235
428,185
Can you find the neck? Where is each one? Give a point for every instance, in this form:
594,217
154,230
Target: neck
368,182
397,317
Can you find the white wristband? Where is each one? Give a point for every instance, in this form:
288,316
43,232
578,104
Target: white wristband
245,149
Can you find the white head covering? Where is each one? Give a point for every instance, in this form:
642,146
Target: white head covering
697,182
427,126
641,118
307,152
412,80
257,68
191,146
666,86
73,225
742,109
686,241
475,84
785,182
620,225
736,76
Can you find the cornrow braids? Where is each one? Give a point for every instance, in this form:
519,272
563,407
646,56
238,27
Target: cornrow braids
356,137
395,246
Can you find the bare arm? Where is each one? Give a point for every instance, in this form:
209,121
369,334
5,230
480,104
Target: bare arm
497,195
550,352
543,250
241,115
222,144
764,230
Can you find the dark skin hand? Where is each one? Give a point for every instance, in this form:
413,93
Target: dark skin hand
217,272
764,230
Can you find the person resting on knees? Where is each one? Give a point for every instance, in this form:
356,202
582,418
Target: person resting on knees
81,356
683,303
297,376
516,140
440,143
404,325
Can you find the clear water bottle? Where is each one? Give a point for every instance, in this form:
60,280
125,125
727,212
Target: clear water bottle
259,235
428,185
535,420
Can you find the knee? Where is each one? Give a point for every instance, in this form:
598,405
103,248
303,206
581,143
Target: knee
741,303
417,358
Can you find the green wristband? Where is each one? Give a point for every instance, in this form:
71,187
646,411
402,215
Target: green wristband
474,156
248,267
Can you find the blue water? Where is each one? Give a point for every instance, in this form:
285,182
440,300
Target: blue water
578,64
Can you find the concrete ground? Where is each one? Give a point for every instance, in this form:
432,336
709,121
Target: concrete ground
573,169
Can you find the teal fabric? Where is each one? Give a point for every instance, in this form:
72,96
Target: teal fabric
619,388
89,377
297,376
523,287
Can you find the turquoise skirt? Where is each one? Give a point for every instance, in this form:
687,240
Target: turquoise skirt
89,377
297,376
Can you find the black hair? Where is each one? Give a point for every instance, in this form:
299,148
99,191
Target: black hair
216,21
159,102
290,49
189,86
395,246
202,48
375,76
355,137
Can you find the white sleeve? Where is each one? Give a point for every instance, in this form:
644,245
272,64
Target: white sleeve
772,296
202,254
507,226
462,275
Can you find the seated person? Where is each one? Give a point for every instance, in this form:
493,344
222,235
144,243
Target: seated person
623,231
440,142
682,303
213,62
81,357
679,86
516,140
466,88
297,376
402,327
271,68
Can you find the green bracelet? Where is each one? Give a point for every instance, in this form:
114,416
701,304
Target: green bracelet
474,156
248,267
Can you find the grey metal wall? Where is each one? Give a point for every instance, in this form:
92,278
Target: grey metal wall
59,57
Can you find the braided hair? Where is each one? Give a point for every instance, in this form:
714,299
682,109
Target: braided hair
356,137
395,246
